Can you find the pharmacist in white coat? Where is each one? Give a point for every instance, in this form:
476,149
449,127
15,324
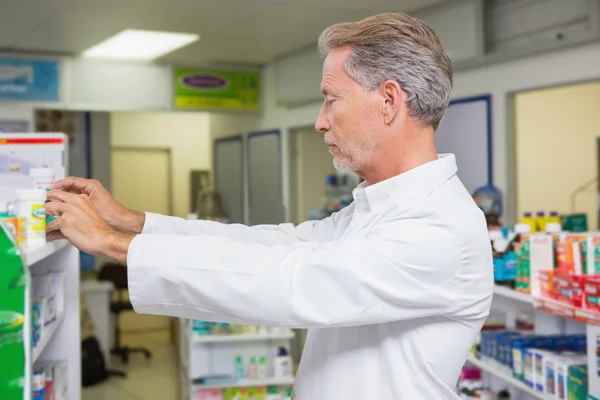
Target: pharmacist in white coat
393,289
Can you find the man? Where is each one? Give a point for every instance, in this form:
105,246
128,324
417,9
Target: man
393,289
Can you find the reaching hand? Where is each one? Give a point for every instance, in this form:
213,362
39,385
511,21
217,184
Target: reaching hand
78,221
113,213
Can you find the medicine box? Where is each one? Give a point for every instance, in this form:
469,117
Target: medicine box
577,386
562,375
531,367
209,394
593,362
550,364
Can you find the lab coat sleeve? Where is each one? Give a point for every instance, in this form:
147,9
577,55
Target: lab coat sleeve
314,231
406,269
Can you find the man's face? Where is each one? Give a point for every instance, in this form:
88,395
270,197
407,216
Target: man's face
348,117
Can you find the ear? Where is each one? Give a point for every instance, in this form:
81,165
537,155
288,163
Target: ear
394,99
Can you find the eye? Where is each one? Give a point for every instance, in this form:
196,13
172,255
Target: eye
329,101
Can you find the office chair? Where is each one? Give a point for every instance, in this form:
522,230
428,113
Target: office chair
117,274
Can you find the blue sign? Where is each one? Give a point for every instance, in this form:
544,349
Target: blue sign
29,80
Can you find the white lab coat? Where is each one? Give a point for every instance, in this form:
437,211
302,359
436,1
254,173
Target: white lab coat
393,289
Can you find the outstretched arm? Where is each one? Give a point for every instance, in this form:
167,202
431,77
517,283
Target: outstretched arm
130,222
388,276
284,234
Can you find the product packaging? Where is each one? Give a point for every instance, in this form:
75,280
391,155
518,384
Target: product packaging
38,385
42,178
13,305
539,377
593,363
273,394
577,386
256,393
30,205
592,265
209,394
14,223
592,292
283,364
550,364
562,375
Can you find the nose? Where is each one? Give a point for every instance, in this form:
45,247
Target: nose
323,124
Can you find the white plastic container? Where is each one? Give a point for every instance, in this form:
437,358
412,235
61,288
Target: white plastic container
282,364
31,207
42,177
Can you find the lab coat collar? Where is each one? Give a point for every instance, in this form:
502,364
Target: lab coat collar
419,181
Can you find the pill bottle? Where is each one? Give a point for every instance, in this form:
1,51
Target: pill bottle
32,210
42,177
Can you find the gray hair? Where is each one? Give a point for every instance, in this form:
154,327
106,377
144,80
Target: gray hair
400,48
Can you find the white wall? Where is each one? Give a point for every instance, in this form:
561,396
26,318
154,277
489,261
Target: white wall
185,133
500,80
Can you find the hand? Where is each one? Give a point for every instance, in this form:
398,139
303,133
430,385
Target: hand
78,221
113,213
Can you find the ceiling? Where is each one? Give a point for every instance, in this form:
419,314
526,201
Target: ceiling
233,32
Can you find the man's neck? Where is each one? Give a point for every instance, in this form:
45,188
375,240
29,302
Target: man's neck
392,159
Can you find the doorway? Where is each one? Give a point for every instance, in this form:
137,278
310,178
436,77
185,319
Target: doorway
556,130
141,181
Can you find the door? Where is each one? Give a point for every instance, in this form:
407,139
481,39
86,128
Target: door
141,181
265,191
313,163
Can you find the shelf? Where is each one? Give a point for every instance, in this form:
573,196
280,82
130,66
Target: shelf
551,306
509,293
39,253
251,383
242,338
564,310
506,378
48,334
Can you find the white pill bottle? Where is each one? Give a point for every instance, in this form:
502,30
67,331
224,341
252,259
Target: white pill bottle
42,177
31,208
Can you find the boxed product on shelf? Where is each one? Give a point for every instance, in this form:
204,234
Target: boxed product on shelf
209,394
592,292
577,386
592,264
546,277
562,375
55,373
523,266
48,303
593,360
533,371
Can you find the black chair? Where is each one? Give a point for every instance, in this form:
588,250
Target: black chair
117,274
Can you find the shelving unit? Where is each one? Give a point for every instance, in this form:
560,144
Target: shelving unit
251,382
215,355
242,338
549,317
61,341
49,334
506,378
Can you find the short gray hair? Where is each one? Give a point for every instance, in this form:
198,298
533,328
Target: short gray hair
401,48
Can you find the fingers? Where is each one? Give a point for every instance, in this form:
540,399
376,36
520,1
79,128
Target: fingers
64,197
76,185
54,235
56,208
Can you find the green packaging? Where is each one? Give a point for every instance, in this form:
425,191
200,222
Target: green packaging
577,386
13,303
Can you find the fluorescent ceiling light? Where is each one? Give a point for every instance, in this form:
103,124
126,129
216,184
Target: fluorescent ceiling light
133,44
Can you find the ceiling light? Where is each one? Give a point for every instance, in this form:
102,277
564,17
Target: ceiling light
133,44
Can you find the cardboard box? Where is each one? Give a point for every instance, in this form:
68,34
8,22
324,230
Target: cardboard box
562,375
550,365
593,363
577,386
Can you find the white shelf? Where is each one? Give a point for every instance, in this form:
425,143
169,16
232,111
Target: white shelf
242,337
507,378
251,383
48,334
512,294
39,253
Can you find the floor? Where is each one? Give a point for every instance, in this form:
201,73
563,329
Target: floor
154,379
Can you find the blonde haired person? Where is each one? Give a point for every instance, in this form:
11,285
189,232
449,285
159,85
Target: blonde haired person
393,289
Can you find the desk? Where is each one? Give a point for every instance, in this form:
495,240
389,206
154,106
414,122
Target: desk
97,296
